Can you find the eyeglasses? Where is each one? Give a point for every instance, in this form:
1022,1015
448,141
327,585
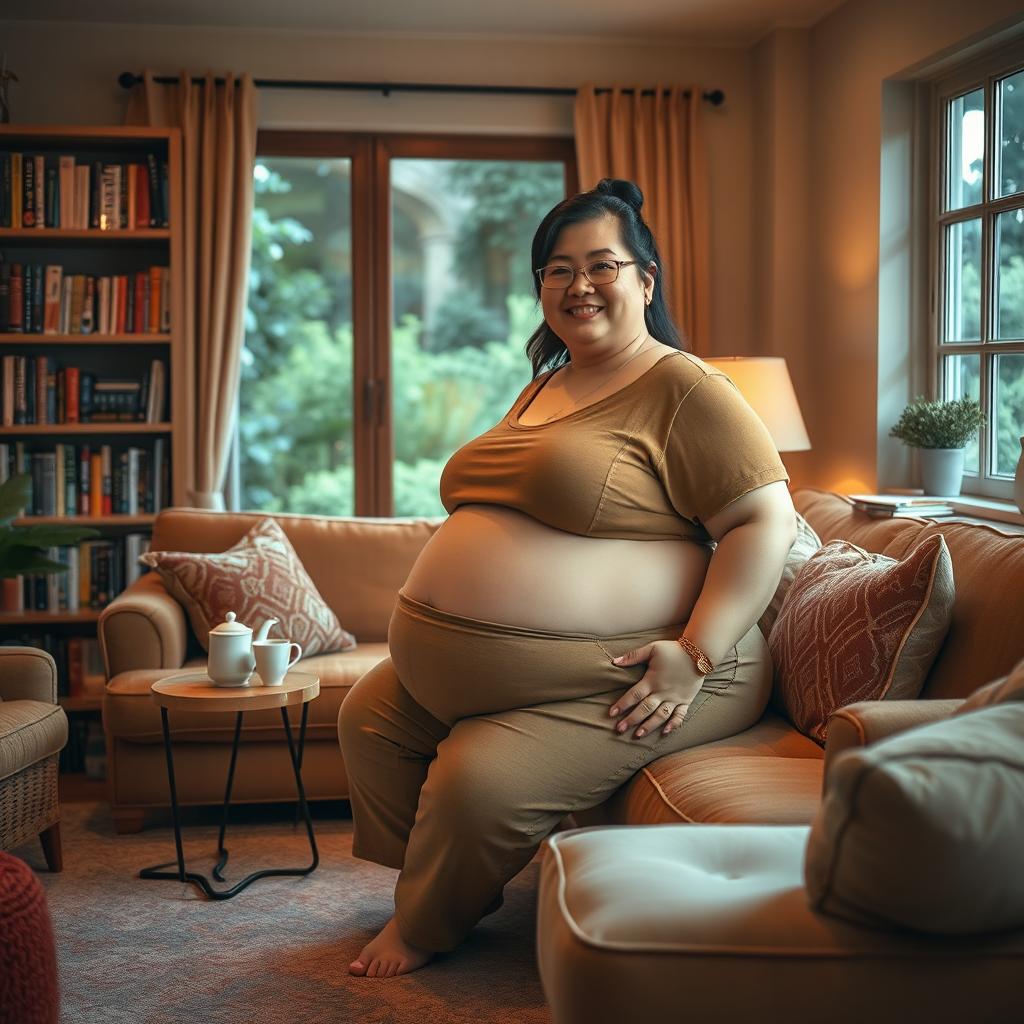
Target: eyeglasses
598,272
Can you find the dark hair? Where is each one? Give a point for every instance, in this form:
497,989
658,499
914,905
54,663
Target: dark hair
623,199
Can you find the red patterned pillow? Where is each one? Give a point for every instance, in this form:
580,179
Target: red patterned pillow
859,626
260,577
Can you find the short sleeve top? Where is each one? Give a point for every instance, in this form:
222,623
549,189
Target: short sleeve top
652,461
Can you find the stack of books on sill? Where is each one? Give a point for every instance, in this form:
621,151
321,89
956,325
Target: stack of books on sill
34,390
899,506
98,570
90,480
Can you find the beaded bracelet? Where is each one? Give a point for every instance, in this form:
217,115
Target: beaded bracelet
700,659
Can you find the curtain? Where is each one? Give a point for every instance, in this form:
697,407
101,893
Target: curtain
657,142
218,144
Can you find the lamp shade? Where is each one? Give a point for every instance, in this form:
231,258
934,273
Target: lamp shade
764,382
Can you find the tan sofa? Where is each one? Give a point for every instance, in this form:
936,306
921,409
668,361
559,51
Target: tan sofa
770,773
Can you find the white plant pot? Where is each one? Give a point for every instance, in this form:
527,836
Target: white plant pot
942,470
1018,480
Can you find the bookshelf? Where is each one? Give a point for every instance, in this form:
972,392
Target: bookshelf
89,336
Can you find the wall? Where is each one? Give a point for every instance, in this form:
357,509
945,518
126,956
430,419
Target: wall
68,74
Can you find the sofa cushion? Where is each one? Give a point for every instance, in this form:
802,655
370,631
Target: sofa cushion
806,543
129,712
259,577
29,731
924,830
859,626
768,774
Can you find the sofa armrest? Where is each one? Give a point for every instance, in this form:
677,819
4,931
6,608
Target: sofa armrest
28,673
868,721
143,627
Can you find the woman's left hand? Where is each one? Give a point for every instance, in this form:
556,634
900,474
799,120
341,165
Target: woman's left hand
662,697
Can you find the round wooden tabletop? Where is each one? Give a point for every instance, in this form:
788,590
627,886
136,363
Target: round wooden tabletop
196,691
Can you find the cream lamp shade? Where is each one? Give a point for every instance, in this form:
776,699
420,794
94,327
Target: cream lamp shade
764,382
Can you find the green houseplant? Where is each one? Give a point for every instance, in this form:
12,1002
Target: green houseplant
940,431
23,548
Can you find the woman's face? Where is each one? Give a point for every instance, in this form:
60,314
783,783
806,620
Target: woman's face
596,320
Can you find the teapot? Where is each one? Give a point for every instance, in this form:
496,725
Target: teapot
230,646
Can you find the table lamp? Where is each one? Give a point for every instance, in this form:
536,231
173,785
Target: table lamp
764,382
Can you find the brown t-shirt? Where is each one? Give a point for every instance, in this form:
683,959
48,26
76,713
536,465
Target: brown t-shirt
653,461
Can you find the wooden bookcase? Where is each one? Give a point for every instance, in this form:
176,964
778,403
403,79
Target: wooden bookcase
102,252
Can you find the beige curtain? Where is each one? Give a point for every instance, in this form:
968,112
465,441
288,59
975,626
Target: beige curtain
218,142
657,141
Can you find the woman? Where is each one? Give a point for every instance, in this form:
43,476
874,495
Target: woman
629,498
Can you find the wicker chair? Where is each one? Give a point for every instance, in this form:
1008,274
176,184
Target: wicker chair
33,730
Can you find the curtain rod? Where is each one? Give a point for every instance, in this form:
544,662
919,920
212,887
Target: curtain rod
127,79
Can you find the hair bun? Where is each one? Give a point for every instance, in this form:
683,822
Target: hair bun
628,191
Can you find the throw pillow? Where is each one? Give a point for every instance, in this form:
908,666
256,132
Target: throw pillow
260,577
999,691
924,830
859,626
806,543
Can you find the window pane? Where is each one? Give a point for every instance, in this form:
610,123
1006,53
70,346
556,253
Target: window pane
962,379
464,306
1009,405
963,281
1010,132
1010,282
295,425
966,152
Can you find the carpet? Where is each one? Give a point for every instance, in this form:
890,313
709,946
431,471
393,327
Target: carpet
156,952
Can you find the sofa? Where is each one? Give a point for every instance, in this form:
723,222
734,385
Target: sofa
33,731
768,774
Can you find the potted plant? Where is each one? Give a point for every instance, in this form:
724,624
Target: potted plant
23,548
940,431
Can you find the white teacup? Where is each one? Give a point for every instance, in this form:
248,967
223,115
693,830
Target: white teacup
272,659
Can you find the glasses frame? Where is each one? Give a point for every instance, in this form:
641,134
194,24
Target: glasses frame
576,271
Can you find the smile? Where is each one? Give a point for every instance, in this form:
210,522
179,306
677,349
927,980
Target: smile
584,312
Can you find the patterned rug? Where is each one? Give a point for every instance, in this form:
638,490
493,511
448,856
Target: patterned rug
156,952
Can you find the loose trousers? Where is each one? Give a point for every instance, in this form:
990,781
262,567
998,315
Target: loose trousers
468,746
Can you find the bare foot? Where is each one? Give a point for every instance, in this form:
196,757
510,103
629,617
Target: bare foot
389,954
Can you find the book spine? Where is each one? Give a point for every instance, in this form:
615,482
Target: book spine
40,176
51,311
154,190
15,190
71,395
28,191
5,190
16,305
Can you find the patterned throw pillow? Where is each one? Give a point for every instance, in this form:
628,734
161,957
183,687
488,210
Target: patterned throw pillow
806,543
859,626
258,578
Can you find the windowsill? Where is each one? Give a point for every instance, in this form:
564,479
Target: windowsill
987,508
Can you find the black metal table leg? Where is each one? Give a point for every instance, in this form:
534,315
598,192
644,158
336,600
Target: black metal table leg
295,756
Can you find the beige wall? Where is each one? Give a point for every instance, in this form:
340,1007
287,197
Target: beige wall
852,54
69,74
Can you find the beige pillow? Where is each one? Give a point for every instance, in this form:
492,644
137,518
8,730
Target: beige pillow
261,577
859,626
925,830
1007,688
806,543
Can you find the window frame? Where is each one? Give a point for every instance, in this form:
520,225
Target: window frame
982,73
370,155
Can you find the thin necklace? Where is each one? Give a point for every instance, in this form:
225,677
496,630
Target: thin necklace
587,394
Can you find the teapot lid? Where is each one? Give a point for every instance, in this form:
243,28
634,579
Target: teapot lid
230,627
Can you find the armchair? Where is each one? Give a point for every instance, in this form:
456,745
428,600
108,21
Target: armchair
33,731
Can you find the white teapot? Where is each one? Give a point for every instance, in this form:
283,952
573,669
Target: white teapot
230,645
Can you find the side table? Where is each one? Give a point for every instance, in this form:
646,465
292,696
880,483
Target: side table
195,691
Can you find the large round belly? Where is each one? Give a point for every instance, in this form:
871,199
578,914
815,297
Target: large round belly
493,563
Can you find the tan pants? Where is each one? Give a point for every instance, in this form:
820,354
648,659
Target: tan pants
470,744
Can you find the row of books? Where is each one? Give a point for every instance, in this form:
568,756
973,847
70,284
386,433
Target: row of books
41,190
98,570
91,480
38,298
898,506
34,390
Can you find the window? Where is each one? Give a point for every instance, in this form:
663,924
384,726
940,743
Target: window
389,303
978,256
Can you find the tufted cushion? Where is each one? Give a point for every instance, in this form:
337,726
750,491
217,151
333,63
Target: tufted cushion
259,577
859,626
924,830
806,543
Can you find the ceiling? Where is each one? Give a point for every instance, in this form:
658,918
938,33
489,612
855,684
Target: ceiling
699,21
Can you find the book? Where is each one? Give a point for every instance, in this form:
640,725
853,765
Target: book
900,505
